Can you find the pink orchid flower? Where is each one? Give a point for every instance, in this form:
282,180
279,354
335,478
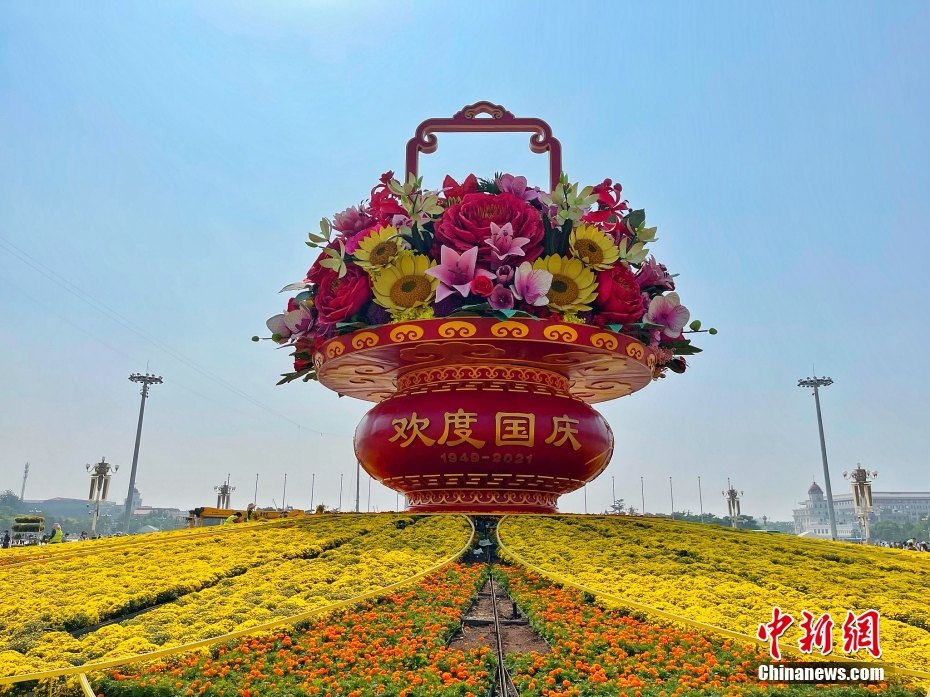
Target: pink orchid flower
517,186
456,272
504,243
668,312
531,285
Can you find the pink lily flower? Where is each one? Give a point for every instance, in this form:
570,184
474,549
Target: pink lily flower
531,285
668,312
456,272
504,243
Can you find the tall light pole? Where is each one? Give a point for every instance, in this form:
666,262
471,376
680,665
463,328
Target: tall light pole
255,498
862,496
613,491
358,485
99,487
283,494
341,475
147,381
671,494
700,498
312,487
817,383
642,493
22,492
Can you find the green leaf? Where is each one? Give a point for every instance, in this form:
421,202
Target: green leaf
563,239
508,314
479,307
636,218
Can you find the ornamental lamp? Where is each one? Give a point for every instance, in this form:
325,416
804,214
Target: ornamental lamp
861,480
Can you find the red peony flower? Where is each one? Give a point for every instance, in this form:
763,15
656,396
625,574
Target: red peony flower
337,299
618,297
467,224
482,285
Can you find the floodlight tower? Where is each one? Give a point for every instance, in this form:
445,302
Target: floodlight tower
732,497
147,381
862,495
99,487
817,383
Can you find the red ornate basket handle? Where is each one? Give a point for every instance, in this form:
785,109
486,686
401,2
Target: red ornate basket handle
501,121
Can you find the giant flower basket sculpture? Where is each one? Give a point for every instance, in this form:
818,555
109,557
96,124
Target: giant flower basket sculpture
484,318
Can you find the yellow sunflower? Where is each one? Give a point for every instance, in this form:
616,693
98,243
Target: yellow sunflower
403,284
593,247
574,286
379,248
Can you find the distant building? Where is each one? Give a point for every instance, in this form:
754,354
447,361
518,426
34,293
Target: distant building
144,511
813,520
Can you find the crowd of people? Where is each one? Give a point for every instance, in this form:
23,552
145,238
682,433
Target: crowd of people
911,544
55,536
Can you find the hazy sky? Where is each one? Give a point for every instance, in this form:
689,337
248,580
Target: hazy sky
160,164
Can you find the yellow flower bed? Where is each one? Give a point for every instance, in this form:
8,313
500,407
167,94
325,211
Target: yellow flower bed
121,579
366,552
733,578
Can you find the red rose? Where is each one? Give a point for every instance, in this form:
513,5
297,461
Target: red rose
482,285
618,297
337,299
467,224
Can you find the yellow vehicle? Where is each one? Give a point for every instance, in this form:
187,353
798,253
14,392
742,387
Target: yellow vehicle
206,516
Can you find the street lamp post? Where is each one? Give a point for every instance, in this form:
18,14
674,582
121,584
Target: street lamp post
671,494
99,487
862,496
147,381
642,493
817,383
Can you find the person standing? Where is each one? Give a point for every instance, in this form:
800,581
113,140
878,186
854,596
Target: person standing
6,540
57,535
